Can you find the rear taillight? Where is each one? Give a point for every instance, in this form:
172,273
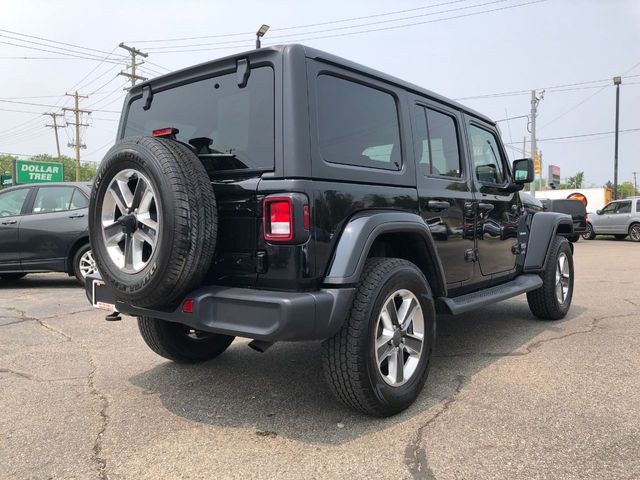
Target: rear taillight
278,219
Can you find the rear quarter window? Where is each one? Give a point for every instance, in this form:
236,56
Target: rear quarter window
357,124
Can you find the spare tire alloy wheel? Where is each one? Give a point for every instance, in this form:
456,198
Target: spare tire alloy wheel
152,221
131,220
399,337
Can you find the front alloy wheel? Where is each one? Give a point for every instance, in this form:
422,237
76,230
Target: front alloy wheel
563,278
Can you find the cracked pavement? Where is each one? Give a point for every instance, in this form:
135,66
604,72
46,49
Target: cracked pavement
508,396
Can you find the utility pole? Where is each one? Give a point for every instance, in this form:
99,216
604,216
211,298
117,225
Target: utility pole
55,127
616,81
534,108
77,143
134,52
635,188
541,171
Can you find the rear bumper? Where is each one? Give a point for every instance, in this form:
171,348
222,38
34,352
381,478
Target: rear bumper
258,314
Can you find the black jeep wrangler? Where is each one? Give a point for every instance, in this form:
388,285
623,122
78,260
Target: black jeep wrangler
288,194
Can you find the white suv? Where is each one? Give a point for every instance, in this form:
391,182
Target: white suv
619,218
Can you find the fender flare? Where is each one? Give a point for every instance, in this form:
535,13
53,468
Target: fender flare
543,229
357,237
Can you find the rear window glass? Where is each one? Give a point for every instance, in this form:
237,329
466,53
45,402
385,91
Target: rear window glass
231,127
357,125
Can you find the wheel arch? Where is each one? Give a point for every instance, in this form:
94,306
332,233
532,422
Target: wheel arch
544,227
385,234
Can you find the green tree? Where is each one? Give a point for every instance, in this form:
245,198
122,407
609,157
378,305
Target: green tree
625,189
576,181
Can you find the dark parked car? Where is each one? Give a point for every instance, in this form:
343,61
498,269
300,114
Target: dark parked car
287,194
43,228
575,208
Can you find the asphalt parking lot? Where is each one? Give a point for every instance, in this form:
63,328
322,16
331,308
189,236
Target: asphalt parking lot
508,396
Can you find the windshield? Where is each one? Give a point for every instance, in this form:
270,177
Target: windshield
230,128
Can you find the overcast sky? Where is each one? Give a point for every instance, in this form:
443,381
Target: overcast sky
544,44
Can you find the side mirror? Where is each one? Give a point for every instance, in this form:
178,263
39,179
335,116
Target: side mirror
598,212
523,171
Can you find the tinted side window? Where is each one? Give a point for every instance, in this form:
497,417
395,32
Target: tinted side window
624,207
11,202
638,206
357,125
78,200
52,199
610,208
486,156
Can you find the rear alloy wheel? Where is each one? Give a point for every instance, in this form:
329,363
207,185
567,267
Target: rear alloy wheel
84,264
588,233
181,343
634,232
378,362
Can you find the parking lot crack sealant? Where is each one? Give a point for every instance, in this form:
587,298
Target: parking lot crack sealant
416,456
96,455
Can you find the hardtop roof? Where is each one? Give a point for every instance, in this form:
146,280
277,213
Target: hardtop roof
293,48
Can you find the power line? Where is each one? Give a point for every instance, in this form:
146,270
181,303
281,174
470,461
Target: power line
393,27
48,105
331,22
379,22
58,42
59,50
55,51
583,135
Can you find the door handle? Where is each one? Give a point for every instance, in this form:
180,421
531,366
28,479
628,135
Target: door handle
485,207
9,222
77,215
437,205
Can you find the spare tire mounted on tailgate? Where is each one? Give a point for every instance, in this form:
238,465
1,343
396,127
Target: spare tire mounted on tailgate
152,220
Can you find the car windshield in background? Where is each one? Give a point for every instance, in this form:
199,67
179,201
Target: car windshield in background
230,127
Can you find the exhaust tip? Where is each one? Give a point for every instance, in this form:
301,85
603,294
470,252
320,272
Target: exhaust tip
260,345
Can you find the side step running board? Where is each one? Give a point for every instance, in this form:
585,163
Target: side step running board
465,303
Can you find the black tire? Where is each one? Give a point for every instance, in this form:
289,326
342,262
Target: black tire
179,343
573,238
620,237
349,357
77,272
634,232
11,277
543,302
588,233
186,208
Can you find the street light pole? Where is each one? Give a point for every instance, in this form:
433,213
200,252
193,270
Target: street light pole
616,81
